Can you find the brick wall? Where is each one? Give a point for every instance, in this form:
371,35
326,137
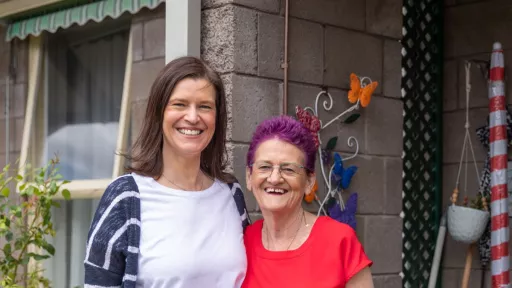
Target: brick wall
328,39
471,27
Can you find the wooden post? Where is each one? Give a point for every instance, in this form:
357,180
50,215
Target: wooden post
467,266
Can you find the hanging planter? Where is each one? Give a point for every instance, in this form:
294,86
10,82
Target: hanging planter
467,223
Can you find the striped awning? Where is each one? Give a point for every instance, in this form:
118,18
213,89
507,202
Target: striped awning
96,11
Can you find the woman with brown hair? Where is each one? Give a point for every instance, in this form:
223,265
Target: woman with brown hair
176,220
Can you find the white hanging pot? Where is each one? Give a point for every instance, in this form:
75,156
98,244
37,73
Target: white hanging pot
466,224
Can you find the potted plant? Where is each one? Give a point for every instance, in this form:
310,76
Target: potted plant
467,222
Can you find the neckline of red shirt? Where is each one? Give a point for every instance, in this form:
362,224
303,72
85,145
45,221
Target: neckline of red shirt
263,252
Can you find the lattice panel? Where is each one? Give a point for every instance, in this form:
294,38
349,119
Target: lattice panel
422,96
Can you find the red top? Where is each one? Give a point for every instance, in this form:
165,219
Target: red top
328,258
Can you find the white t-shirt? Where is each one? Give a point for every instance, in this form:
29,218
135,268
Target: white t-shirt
189,239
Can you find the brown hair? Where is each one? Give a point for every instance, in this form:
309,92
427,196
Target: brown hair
146,158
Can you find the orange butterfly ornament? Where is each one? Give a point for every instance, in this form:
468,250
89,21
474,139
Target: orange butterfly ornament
363,94
312,194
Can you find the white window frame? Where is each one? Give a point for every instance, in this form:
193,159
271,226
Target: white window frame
79,189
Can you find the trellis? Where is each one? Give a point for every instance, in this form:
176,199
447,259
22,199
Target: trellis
422,64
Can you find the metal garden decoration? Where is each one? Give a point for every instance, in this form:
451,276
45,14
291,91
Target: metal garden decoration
335,174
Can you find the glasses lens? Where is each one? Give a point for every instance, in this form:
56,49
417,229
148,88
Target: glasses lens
290,169
262,168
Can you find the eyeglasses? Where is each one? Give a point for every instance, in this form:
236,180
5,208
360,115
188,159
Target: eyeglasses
286,170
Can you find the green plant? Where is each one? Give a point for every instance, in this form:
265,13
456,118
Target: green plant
25,223
477,202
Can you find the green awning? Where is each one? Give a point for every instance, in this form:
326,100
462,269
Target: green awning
96,11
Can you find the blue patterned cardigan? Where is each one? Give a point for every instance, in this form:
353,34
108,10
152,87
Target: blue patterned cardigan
112,251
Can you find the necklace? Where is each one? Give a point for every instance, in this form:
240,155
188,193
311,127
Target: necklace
169,180
296,232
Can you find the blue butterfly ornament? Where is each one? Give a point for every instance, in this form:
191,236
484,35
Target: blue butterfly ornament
340,175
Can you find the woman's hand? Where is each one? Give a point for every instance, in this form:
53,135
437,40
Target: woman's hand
363,279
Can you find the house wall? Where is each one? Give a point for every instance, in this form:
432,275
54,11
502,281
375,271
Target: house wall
471,27
243,40
328,40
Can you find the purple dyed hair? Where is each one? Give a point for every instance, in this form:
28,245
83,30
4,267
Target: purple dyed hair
287,129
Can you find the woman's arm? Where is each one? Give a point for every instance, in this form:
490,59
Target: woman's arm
238,195
107,250
363,279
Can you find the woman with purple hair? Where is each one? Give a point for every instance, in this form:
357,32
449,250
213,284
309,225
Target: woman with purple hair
291,247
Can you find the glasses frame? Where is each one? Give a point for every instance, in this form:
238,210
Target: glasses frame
279,166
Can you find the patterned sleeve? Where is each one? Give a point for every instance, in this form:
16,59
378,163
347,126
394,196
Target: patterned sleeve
108,244
238,195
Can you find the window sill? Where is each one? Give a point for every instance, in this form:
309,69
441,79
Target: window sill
85,189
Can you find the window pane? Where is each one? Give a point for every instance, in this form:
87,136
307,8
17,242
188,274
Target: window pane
85,88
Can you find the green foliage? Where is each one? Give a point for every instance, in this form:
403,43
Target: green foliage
331,143
477,203
352,118
25,223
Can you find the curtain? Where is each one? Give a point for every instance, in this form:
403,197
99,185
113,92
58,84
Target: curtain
83,100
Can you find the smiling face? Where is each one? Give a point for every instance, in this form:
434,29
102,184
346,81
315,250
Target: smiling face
189,118
275,192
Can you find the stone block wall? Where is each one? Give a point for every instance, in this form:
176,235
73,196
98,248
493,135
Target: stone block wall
471,27
244,41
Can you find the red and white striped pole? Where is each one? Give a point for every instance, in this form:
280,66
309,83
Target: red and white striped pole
499,194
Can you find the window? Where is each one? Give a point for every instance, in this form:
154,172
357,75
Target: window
80,113
84,89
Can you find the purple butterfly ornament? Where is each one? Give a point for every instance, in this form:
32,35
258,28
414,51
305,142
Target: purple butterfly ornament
347,215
